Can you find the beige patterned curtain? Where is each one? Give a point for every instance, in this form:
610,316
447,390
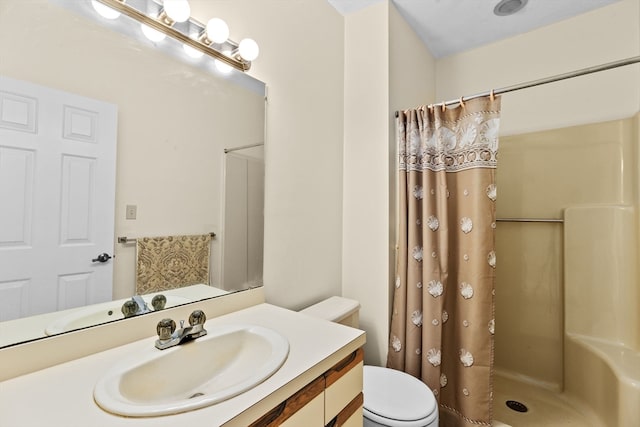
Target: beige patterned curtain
442,322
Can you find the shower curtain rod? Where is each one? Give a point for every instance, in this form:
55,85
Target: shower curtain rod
552,79
229,150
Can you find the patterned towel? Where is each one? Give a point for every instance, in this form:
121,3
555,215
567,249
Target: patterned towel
171,262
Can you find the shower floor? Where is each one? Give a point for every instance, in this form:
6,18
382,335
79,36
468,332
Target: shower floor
545,408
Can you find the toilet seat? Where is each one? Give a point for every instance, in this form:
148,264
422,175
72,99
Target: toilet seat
395,398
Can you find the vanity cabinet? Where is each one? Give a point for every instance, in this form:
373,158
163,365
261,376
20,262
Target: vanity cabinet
334,399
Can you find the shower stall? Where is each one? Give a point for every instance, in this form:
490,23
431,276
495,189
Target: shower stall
567,295
243,217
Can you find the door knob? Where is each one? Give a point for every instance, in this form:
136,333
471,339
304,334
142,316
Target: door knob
103,257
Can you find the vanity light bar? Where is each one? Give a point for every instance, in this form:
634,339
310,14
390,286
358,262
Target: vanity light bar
122,7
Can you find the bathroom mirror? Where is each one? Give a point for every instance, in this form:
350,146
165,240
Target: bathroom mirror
175,118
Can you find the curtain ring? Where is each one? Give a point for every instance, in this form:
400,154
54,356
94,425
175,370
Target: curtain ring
430,108
444,106
462,101
492,95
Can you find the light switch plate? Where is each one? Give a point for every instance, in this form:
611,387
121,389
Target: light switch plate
132,210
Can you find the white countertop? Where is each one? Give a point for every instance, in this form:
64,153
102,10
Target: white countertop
62,396
33,327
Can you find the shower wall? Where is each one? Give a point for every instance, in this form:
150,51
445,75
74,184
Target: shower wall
539,175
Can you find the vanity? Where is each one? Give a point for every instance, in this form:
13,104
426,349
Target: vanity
50,380
319,383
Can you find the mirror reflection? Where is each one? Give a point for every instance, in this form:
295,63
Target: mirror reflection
243,235
167,122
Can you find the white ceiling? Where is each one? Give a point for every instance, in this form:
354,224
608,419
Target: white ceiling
452,26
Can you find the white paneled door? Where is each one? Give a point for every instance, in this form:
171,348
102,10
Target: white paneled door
57,194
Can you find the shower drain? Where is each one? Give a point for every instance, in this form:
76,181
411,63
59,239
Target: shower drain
516,406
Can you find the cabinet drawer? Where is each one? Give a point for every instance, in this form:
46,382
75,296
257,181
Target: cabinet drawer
351,415
310,415
334,397
343,384
355,420
312,394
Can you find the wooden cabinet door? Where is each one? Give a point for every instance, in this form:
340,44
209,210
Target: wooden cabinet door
343,384
309,401
310,415
334,399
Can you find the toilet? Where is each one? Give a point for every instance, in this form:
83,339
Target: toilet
391,398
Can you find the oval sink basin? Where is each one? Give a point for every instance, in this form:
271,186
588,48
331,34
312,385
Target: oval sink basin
228,361
100,313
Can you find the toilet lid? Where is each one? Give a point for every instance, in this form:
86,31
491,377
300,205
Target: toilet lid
396,395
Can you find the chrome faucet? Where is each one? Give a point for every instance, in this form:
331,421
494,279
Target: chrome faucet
137,305
168,336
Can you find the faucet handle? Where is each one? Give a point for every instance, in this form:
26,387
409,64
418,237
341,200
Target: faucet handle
197,318
165,328
158,302
130,308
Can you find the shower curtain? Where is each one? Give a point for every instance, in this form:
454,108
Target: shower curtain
442,321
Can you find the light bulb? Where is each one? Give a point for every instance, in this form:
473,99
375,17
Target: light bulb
248,49
152,34
104,10
217,30
177,10
223,67
192,52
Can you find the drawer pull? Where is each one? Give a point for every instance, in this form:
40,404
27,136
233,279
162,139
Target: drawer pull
272,415
345,362
291,405
344,415
342,367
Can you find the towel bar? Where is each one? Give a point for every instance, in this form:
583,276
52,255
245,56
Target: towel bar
125,239
558,220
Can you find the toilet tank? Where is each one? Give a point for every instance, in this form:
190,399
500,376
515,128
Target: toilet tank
336,309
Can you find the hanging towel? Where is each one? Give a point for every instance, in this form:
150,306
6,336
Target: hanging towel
171,262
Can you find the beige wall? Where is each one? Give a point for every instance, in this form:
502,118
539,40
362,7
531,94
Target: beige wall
174,120
365,267
386,68
600,36
301,61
